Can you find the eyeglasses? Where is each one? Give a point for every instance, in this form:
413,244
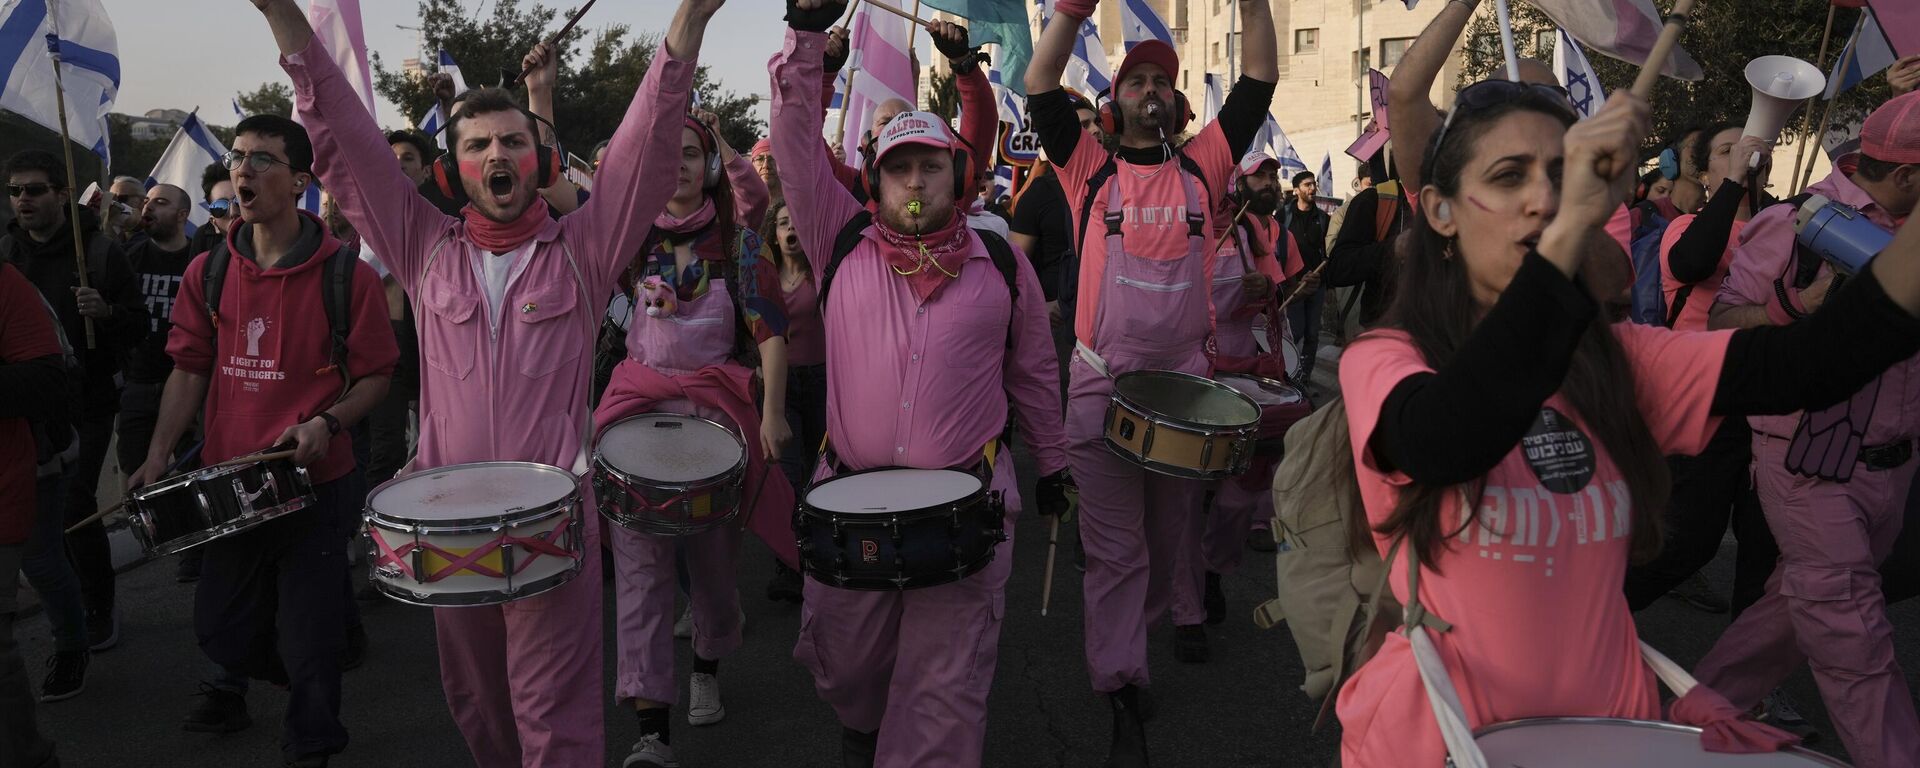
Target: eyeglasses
28,190
220,208
1488,93
260,162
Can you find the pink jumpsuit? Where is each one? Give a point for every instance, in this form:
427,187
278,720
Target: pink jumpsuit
1823,605
523,679
915,665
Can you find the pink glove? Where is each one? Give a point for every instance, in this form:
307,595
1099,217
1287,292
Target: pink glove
1725,729
1079,9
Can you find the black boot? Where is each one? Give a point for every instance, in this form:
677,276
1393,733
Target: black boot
1215,600
856,748
1190,644
1129,748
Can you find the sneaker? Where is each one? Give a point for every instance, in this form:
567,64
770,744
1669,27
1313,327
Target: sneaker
356,653
1215,600
1777,710
220,712
648,751
1696,592
683,626
1190,644
103,629
187,569
785,584
1260,541
66,676
704,707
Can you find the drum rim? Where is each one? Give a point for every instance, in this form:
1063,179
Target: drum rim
808,509
481,598
1176,421
724,478
472,524
1264,382
1657,725
190,477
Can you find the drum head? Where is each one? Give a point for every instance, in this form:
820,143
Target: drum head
891,491
471,491
1186,399
671,448
1264,391
1595,742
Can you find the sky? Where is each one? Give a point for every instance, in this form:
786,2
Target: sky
185,53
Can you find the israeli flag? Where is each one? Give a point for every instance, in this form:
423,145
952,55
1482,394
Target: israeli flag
238,113
32,33
1576,75
1139,22
310,200
1087,71
1867,53
433,124
1276,143
186,158
1326,175
1011,107
1002,182
447,66
1210,103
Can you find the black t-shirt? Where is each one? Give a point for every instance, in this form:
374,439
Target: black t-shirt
158,271
1042,214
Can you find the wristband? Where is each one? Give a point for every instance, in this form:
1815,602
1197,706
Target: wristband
1082,9
333,423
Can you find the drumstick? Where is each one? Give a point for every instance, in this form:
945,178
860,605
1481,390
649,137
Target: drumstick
258,457
1053,543
902,14
97,515
1302,289
554,41
184,458
1211,252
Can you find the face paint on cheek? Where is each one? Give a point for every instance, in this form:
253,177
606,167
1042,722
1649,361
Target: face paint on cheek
1477,204
528,164
472,169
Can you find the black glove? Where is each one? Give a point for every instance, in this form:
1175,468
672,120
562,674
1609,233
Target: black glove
1057,494
835,59
816,20
952,47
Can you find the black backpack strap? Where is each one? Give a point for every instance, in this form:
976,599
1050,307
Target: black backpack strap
1679,303
213,277
1094,183
843,244
336,296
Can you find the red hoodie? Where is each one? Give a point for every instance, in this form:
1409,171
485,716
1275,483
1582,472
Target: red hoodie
274,348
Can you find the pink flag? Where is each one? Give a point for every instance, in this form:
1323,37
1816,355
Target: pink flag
1377,89
879,69
1900,20
1623,29
336,24
1376,135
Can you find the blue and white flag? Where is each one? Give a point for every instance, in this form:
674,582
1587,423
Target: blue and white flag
1010,105
238,113
1276,143
1087,70
1866,54
1576,75
1326,175
90,55
1211,101
193,148
1002,182
1139,22
447,66
433,124
310,200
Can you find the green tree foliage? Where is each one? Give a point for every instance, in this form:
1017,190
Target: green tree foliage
1722,36
597,80
268,99
943,96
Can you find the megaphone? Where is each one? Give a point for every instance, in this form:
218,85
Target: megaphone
1839,233
1779,83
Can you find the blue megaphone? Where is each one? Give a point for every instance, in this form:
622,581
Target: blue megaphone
1840,233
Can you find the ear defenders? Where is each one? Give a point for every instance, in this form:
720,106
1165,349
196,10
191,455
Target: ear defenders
1669,164
446,170
1111,121
711,145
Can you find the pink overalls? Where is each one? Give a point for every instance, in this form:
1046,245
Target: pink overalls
522,679
1137,526
1236,500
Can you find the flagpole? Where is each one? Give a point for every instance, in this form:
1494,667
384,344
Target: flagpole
1840,67
1506,39
66,145
1819,62
1662,49
846,98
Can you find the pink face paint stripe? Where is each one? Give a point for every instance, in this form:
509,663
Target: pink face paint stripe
1477,204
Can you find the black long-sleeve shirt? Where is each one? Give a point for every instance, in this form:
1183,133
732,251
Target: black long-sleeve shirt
1241,117
1360,257
50,267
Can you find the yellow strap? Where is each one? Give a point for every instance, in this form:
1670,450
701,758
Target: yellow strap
992,450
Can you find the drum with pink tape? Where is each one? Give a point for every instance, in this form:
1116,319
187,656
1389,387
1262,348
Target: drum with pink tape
475,534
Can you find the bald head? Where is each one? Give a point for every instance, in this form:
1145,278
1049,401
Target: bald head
164,214
1537,71
886,111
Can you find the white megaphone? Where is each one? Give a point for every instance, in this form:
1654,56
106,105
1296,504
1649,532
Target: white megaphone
1779,83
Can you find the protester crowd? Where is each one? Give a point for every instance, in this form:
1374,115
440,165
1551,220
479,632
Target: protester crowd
1562,379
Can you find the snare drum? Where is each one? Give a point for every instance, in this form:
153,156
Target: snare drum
1281,404
1600,742
895,529
669,474
475,534
1181,425
188,510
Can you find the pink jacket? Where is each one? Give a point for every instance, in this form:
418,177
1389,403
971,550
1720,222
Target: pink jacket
512,387
917,385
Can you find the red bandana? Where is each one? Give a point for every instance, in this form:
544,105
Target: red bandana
501,237
926,260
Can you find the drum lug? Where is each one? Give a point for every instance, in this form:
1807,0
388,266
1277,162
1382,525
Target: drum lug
1146,442
1206,454
893,532
506,566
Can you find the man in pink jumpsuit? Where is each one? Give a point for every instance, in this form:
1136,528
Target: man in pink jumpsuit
1834,524
509,301
937,332
1144,214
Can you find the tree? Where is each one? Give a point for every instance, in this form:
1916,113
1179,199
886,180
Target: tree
1723,37
592,95
943,95
268,99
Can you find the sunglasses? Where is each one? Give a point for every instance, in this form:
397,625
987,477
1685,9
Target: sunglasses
28,190
260,162
1487,93
220,208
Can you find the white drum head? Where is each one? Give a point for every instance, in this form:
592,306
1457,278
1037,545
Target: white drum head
1577,742
670,448
1263,391
893,490
470,491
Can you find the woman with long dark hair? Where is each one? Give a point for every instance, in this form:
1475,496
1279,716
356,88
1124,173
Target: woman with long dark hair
806,367
1495,378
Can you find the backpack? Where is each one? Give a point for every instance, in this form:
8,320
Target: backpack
1649,305
1330,579
336,297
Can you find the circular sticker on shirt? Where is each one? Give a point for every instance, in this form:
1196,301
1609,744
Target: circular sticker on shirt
1559,453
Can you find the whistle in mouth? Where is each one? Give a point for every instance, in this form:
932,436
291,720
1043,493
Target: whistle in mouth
913,207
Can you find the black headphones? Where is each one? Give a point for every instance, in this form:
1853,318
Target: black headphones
709,142
1112,123
446,170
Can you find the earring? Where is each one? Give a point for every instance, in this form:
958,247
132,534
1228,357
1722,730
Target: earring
1446,254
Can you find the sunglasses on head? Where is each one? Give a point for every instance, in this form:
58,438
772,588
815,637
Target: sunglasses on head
220,208
28,190
260,162
1489,93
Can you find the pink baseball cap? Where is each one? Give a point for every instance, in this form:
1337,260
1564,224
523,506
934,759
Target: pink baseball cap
906,128
1892,133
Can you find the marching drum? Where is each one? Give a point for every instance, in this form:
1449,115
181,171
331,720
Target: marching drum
1181,425
895,529
1281,404
475,534
669,474
1600,742
182,512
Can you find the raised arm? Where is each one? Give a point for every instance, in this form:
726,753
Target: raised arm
1055,46
750,195
820,206
544,63
1259,45
1413,117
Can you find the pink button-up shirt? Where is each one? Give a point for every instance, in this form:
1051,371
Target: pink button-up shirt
910,384
510,385
1761,255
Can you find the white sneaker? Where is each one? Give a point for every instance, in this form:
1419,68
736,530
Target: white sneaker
703,706
648,751
683,626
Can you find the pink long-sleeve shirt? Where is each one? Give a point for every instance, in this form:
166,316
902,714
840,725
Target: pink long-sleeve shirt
508,384
911,384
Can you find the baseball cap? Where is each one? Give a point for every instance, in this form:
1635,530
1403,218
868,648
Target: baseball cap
907,128
1148,52
1892,133
1251,164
